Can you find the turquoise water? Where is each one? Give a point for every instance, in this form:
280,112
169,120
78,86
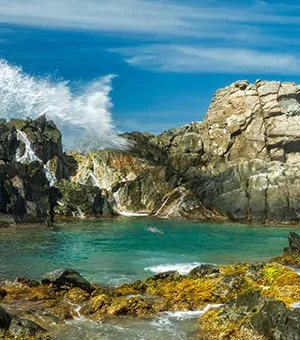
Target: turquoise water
122,250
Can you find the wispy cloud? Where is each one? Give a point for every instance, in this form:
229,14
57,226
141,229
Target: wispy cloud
144,16
186,35
177,58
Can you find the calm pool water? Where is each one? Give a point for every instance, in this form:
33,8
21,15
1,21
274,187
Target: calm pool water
122,250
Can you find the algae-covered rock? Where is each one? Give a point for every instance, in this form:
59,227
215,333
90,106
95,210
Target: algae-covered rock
264,318
66,279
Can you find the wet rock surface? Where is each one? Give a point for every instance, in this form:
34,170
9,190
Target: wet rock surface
257,305
66,279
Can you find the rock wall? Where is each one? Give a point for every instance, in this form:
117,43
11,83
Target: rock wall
241,163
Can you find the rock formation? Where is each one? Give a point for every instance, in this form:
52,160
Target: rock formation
241,163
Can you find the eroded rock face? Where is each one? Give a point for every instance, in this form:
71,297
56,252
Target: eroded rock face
242,163
26,146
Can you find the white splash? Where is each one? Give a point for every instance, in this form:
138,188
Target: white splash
181,268
182,315
29,156
131,214
82,114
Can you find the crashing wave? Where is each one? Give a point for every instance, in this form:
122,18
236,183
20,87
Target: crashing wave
79,112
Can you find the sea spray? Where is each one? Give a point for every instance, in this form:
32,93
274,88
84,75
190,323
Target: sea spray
83,113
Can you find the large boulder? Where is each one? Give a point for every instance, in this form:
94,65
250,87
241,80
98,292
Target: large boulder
66,279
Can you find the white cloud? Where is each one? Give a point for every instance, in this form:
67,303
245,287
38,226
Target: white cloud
217,37
205,19
178,58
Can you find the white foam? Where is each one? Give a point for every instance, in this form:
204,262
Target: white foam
181,268
182,315
84,113
129,214
296,305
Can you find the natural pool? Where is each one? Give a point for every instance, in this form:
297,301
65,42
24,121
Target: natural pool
121,250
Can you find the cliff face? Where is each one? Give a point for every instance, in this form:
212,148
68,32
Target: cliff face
242,162
26,146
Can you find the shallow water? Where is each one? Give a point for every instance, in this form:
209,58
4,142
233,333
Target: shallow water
121,250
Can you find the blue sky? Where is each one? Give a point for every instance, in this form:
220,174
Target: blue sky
170,56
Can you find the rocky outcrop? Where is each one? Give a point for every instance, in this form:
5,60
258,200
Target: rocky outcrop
291,254
26,147
241,163
20,328
66,279
252,316
250,301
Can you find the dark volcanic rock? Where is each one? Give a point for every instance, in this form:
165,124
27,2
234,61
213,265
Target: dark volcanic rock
8,142
5,320
66,279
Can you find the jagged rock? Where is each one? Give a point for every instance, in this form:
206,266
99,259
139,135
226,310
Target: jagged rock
66,278
8,142
5,320
294,244
43,134
26,329
264,318
277,322
204,270
81,200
